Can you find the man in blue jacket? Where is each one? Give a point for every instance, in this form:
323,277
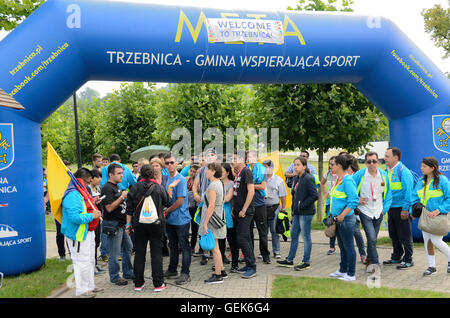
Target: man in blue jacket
399,220
375,199
128,178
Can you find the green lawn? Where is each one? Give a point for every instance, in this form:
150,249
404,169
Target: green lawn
38,284
309,287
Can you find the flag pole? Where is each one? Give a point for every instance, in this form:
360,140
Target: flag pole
77,130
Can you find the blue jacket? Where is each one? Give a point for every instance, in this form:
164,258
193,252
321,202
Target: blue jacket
259,171
401,187
387,193
128,178
436,198
343,196
75,219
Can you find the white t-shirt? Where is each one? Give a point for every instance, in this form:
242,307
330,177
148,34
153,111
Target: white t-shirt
275,190
372,188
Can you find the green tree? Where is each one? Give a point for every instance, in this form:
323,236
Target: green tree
437,22
319,116
127,120
217,106
12,12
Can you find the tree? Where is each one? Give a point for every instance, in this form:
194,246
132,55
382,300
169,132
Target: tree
319,116
437,22
127,120
12,12
217,106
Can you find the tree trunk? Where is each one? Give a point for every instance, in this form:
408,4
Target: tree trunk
320,201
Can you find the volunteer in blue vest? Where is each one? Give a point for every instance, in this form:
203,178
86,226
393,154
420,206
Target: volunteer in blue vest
128,178
433,191
343,200
375,199
399,220
80,241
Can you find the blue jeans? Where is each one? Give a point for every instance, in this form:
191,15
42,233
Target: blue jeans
275,235
359,239
301,224
117,243
371,228
179,236
344,234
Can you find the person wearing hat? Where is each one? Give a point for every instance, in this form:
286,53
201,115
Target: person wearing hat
276,192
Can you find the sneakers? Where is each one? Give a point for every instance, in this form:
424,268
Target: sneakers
234,269
391,262
214,279
363,259
302,266
331,252
286,263
266,261
97,290
121,282
160,288
183,279
249,273
277,255
242,270
404,265
169,274
337,274
140,288
204,260
430,271
224,274
347,278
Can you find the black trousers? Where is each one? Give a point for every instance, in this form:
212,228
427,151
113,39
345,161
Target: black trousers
194,228
400,234
60,240
143,234
234,246
243,237
260,220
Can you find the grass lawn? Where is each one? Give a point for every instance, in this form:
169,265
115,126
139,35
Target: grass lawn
309,287
38,284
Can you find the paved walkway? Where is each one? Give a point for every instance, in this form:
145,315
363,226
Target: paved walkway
260,286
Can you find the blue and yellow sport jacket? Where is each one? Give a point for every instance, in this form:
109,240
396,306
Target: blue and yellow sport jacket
434,198
343,195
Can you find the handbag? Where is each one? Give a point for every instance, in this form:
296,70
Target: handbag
207,241
438,225
110,227
215,220
271,211
330,227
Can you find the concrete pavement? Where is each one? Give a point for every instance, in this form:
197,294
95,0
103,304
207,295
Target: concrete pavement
260,286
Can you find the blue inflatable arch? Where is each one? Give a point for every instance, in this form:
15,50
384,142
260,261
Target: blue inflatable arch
64,44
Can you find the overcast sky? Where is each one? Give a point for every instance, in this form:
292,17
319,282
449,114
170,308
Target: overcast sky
406,14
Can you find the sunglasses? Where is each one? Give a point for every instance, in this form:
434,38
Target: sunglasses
371,161
169,163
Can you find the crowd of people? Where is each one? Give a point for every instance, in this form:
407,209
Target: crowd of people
230,200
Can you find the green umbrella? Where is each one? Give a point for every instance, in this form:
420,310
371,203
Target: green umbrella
146,152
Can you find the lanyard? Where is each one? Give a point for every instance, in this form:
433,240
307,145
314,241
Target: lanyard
338,182
237,176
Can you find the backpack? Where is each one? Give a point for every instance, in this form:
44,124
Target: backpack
148,213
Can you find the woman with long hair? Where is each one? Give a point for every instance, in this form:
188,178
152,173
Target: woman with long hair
329,179
304,194
433,191
343,200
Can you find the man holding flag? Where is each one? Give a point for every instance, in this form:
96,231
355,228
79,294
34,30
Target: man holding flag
73,207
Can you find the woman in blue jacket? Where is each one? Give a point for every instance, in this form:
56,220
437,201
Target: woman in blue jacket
343,200
433,191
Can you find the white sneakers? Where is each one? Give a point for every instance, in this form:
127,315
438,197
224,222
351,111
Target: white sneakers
342,276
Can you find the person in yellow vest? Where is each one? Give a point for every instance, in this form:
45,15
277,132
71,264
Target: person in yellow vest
80,241
399,220
433,191
343,200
